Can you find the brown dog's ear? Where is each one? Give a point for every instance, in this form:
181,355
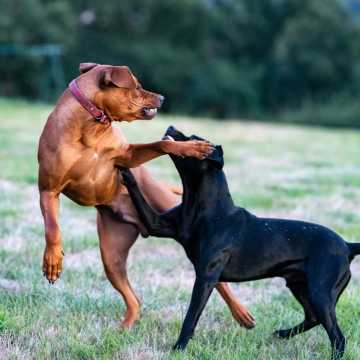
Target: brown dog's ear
119,76
84,67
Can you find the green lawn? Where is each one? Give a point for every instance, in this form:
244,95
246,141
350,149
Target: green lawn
273,170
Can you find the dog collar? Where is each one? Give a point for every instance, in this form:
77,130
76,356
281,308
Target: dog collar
97,113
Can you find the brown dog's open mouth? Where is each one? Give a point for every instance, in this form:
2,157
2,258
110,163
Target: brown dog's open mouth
149,113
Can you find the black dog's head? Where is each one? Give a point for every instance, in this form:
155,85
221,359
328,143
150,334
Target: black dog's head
189,167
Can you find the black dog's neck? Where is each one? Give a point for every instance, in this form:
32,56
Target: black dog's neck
207,194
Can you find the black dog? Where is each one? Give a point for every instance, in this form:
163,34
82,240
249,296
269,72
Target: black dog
228,243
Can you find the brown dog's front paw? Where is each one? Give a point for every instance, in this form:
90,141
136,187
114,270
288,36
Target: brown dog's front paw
52,263
195,148
200,149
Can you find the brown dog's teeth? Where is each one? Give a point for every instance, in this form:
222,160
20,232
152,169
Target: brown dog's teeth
150,111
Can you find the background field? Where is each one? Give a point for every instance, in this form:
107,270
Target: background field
273,170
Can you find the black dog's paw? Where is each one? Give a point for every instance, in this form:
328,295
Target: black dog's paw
128,177
283,334
179,346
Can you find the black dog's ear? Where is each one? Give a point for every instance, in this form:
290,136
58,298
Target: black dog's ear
217,157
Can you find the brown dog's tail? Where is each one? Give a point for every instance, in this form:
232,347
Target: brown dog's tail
354,248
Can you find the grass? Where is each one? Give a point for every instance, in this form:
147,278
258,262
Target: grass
273,170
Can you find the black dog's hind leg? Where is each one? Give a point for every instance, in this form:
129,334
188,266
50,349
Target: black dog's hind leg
343,284
325,312
161,225
324,288
300,291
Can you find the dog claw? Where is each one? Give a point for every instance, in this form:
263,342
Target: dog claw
52,263
282,334
179,347
244,318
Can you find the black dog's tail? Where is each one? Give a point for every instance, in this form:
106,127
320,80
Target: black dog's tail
354,248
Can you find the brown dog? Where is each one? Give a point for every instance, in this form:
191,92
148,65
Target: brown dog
78,156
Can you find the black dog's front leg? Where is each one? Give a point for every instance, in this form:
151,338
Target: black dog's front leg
161,225
203,288
207,276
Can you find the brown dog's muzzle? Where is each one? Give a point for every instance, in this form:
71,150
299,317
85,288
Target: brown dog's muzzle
150,111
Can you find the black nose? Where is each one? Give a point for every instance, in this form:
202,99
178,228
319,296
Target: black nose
171,129
161,99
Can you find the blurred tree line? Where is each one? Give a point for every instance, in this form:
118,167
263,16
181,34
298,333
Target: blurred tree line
225,58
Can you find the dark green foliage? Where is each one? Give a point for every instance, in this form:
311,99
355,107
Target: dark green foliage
223,58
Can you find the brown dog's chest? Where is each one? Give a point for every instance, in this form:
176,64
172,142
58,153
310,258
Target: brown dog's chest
92,179
82,168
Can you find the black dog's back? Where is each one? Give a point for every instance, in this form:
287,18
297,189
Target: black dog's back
268,247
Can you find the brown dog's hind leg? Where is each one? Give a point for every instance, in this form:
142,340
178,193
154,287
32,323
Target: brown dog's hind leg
116,239
159,195
240,313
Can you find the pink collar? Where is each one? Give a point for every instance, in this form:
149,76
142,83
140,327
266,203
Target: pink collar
97,113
